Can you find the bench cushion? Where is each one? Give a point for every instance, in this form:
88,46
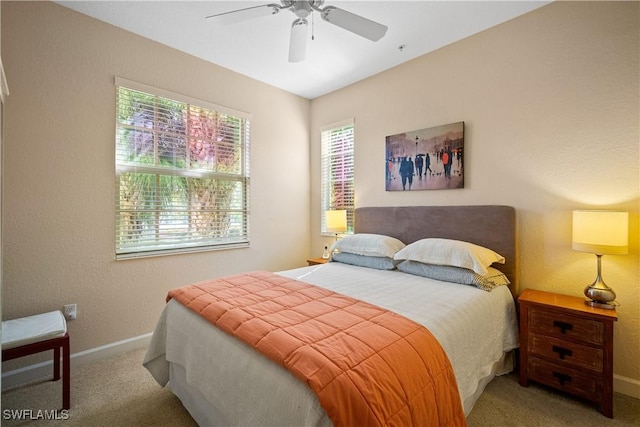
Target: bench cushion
28,330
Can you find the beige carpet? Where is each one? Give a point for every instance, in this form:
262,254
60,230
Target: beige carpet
120,392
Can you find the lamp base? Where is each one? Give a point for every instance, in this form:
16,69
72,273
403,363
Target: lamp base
596,304
598,293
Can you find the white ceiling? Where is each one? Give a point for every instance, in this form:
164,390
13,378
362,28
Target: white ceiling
335,58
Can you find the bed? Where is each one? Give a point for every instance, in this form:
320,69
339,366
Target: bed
222,381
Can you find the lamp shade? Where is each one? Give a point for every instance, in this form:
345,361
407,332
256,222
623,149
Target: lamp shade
336,221
601,232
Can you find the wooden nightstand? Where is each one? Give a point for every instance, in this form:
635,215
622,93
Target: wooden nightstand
316,261
567,345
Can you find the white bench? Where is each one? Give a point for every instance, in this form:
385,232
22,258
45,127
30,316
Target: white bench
34,334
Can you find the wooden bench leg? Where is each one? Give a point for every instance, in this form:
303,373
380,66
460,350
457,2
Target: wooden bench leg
66,373
56,363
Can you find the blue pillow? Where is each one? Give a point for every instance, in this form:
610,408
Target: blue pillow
448,273
377,262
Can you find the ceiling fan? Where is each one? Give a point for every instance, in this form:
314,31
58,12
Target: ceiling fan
302,9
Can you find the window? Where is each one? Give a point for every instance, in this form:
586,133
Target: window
182,173
337,142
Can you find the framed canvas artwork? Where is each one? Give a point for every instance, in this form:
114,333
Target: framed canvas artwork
426,159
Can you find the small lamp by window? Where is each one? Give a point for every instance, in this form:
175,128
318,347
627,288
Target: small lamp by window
336,221
600,232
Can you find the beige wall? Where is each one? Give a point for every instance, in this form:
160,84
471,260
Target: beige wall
551,110
59,175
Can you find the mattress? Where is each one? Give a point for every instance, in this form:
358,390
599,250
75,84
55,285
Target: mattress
223,381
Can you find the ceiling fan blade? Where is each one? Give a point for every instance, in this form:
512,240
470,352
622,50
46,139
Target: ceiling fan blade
298,41
355,23
240,15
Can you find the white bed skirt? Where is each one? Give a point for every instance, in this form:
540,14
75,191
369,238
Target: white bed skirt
206,413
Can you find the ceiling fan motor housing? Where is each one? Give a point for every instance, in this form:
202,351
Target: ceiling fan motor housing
302,9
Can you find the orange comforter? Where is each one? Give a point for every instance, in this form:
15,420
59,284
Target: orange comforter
368,366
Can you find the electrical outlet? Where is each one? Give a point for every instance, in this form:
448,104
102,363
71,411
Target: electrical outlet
70,311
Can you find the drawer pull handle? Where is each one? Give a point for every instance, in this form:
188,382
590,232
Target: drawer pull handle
562,352
564,326
562,378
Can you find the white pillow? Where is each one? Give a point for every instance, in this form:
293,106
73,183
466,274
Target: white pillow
368,245
450,252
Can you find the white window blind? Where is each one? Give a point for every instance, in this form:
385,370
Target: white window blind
338,187
182,173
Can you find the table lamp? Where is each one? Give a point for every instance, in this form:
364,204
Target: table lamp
336,221
600,232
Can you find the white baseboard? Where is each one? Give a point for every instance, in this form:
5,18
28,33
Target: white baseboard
30,373
624,385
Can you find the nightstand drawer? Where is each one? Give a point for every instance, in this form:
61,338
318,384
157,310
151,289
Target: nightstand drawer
565,379
566,353
564,326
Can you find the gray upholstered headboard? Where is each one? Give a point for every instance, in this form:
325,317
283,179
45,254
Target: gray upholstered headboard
490,226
